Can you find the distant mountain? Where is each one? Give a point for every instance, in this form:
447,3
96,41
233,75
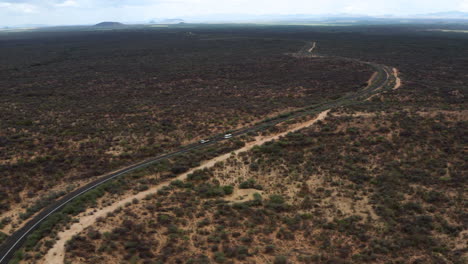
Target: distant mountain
330,17
109,24
449,15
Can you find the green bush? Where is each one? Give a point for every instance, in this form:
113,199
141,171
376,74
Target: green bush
228,189
199,175
280,260
3,237
250,184
219,257
270,249
277,203
5,221
211,191
164,219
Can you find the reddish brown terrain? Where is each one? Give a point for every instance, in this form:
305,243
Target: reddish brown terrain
374,179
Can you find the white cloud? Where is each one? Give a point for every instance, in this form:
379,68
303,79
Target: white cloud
19,7
464,6
67,3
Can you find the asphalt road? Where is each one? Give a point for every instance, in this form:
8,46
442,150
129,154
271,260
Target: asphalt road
16,240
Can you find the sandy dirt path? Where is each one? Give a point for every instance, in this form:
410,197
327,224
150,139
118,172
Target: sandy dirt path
397,79
396,86
57,252
313,47
371,79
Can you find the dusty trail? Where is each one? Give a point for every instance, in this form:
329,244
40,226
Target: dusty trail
371,79
397,79
313,47
57,252
395,87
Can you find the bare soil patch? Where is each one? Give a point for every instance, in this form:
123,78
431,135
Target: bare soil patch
397,79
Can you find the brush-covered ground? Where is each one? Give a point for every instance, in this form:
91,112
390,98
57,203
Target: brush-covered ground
382,187
383,181
76,105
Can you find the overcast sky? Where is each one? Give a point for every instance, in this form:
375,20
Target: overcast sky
67,12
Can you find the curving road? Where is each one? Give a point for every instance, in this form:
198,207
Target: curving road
380,82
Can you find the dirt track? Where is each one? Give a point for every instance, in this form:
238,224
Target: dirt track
313,47
57,252
397,79
371,79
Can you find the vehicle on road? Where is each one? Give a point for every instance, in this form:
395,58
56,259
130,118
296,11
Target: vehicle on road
203,141
228,136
